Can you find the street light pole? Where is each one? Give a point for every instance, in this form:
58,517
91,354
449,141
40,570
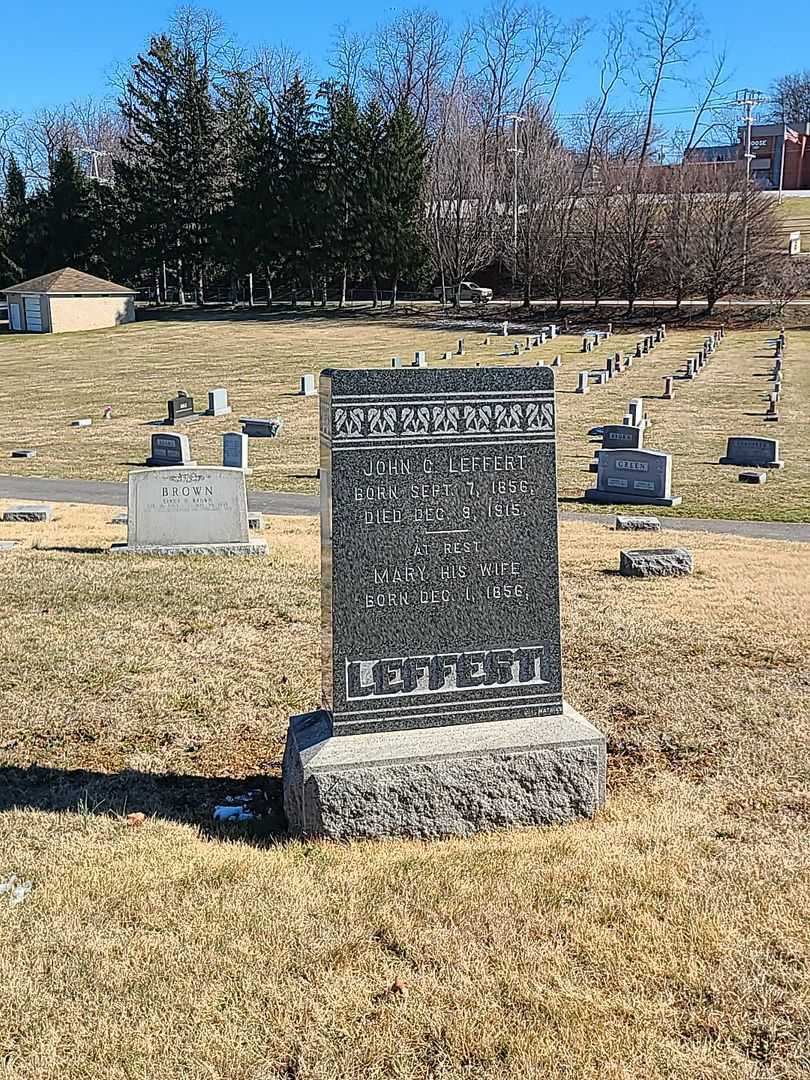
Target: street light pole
516,118
748,98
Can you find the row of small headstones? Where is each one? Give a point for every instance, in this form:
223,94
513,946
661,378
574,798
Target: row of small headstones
619,362
775,392
533,341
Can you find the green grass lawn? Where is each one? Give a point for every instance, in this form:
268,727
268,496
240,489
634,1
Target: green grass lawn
45,382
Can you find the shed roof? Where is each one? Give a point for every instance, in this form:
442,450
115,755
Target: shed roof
68,280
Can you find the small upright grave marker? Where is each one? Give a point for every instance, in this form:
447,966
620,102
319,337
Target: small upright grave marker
218,402
235,451
306,386
180,409
170,450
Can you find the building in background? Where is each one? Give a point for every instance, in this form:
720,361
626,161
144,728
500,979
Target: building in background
68,300
780,156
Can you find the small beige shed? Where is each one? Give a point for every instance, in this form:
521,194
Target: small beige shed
68,300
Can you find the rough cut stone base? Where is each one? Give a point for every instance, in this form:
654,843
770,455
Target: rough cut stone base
656,562
448,781
645,524
597,496
255,547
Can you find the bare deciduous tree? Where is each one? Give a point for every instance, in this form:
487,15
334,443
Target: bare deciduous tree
734,238
461,193
408,59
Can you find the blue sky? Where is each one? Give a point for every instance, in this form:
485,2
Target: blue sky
66,51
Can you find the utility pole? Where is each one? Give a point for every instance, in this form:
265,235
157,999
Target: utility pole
748,99
93,172
516,118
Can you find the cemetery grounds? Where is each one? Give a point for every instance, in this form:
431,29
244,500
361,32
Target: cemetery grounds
45,382
667,938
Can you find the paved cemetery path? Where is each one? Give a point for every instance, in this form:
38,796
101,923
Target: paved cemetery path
291,504
44,489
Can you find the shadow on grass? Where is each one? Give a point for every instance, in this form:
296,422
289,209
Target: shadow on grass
187,800
71,549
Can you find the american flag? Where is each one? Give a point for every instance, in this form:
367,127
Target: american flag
791,135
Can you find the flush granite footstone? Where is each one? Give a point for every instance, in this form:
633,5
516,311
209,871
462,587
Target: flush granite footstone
442,705
188,511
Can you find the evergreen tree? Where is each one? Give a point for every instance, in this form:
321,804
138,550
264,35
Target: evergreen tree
237,117
343,180
299,207
17,224
401,178
172,178
62,219
148,177
254,211
371,193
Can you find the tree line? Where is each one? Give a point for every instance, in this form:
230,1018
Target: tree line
425,156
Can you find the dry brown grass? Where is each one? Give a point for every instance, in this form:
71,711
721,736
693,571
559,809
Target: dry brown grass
668,938
45,382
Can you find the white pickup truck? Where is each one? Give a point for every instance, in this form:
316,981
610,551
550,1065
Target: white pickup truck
467,291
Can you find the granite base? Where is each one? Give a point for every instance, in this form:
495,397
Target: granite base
254,547
446,781
597,496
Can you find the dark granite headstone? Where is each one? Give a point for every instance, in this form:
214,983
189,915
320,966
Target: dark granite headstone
180,408
634,476
170,450
622,437
440,596
750,450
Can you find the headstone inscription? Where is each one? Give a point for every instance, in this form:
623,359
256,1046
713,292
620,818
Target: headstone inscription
218,402
634,476
235,451
199,511
618,437
442,709
170,450
749,450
